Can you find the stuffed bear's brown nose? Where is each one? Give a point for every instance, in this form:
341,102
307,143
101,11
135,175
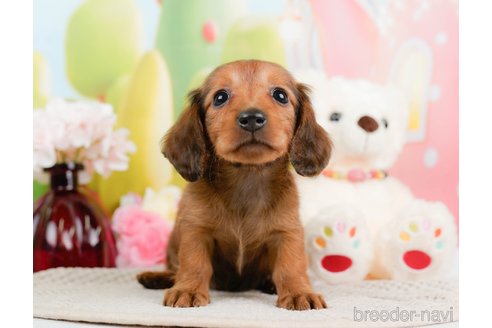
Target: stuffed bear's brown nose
368,124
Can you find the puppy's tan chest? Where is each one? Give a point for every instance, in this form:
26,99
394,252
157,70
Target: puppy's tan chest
241,243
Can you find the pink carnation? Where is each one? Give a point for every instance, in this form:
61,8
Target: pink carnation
143,237
81,132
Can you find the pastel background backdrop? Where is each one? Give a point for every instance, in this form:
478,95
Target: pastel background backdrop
143,56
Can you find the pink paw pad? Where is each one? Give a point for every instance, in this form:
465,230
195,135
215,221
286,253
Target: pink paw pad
418,259
336,262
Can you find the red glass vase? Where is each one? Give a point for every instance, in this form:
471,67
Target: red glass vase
70,228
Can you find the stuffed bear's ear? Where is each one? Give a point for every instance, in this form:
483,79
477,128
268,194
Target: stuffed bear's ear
184,145
310,148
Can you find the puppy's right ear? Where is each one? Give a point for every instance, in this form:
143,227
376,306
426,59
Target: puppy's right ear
184,145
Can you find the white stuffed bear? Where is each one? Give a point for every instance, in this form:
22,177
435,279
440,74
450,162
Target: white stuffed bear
360,222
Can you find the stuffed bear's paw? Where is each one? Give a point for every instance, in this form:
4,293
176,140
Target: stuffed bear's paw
422,242
338,246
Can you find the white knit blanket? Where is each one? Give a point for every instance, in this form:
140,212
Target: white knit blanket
114,296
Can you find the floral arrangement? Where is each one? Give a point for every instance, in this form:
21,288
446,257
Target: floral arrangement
81,132
143,226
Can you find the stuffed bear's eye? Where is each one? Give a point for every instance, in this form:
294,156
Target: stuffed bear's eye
385,122
221,98
335,117
280,96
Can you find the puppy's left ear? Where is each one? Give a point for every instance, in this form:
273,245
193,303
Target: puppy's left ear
310,148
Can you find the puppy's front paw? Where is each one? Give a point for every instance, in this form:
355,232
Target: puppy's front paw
185,298
302,301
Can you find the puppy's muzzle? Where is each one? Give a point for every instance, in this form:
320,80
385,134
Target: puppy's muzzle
252,120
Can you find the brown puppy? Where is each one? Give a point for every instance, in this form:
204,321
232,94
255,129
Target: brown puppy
238,226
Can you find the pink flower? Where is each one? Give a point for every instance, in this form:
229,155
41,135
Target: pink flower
80,131
142,237
44,133
111,154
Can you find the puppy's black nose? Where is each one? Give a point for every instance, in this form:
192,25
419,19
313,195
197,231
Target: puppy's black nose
368,124
251,120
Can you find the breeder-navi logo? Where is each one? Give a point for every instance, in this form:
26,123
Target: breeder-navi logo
398,314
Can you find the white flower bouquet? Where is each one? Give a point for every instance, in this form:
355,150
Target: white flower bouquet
79,132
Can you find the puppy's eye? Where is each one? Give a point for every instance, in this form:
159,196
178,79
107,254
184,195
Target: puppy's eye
280,96
335,117
385,123
220,98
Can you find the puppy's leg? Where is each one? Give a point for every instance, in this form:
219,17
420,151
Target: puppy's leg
156,280
267,287
290,274
194,272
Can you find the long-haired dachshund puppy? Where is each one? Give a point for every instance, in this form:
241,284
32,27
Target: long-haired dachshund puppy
238,226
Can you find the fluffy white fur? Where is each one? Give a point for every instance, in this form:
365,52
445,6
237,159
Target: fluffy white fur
390,224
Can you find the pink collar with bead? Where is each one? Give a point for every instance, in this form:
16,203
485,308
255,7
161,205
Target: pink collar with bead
356,175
